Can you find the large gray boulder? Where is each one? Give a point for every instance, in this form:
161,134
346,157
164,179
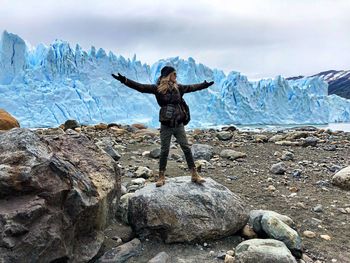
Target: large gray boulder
182,211
56,197
263,251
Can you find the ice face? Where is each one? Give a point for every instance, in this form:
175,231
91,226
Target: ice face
45,86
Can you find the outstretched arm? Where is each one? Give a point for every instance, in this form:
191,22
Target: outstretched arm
195,87
144,88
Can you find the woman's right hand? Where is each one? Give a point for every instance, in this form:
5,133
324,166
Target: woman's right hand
119,77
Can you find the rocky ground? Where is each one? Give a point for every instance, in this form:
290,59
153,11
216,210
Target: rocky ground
300,187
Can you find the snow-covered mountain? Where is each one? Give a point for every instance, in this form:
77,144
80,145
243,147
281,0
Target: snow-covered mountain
45,86
338,81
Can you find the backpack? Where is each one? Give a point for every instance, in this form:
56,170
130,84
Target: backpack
186,110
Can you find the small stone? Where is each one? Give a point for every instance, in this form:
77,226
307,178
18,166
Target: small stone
155,153
326,237
161,257
318,208
143,172
271,188
301,205
248,232
293,189
309,234
221,255
146,153
296,173
224,135
278,168
307,259
287,156
277,154
211,253
229,259
342,210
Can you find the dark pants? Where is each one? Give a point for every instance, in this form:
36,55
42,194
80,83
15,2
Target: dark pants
165,139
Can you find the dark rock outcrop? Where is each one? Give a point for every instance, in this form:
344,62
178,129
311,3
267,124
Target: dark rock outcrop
56,197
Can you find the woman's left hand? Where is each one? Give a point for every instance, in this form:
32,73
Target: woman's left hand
208,84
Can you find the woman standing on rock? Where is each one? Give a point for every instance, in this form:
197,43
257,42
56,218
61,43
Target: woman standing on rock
173,115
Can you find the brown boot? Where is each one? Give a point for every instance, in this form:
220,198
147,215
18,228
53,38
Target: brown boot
196,178
161,179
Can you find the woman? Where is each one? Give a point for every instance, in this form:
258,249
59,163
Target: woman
172,115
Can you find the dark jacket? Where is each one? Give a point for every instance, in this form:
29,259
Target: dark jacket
171,111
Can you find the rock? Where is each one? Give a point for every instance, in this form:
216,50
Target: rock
122,253
271,188
135,185
146,154
181,211
330,148
56,196
296,173
310,141
101,126
122,211
305,128
139,126
117,131
229,259
151,133
278,168
143,172
342,178
318,208
263,251
7,121
224,135
155,153
287,143
334,168
309,234
112,152
276,138
221,255
275,228
256,215
248,232
287,156
326,237
307,259
229,128
260,138
161,257
202,151
232,154
296,135
70,124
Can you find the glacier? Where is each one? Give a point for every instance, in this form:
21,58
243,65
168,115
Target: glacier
44,86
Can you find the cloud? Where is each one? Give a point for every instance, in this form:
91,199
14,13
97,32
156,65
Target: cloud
258,38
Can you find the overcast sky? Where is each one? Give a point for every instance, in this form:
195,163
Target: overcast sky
260,38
